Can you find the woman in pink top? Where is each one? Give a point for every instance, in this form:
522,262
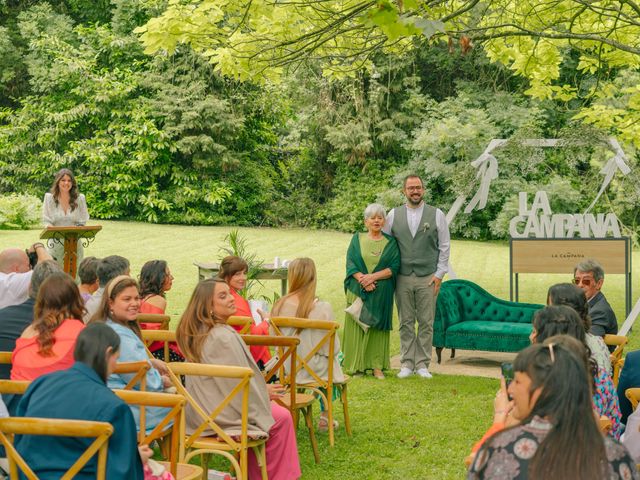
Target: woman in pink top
233,270
47,344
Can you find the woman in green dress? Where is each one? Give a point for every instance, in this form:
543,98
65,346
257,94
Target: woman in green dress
373,260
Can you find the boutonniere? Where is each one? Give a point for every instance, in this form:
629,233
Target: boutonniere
425,226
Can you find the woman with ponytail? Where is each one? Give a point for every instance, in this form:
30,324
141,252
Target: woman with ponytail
47,344
558,436
119,309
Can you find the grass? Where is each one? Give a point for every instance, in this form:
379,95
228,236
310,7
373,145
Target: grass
409,429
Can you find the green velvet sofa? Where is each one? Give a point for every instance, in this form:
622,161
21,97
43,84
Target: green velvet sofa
470,318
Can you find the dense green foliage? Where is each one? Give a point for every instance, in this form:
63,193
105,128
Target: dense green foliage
167,139
19,211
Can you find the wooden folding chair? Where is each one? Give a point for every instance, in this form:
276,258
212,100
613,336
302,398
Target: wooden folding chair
161,320
222,443
173,422
165,336
244,322
295,402
5,357
616,356
101,431
633,394
331,328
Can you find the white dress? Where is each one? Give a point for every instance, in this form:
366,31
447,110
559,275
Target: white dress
54,216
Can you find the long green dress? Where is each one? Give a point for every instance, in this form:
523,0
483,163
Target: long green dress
370,349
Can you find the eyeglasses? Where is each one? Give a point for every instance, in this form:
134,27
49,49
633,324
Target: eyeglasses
584,281
414,189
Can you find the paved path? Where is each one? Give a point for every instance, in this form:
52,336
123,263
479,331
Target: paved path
467,362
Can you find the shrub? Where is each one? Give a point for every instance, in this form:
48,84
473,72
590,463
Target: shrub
19,212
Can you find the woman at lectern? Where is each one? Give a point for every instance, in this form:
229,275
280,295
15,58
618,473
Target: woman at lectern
64,206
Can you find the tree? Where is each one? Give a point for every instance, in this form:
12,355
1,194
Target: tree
261,39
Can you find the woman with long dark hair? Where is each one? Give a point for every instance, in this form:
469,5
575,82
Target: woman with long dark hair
558,436
573,296
204,337
80,393
64,206
119,309
564,320
47,344
155,281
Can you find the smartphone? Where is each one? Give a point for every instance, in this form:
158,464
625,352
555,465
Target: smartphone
507,372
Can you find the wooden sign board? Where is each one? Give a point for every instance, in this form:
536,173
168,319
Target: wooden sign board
554,255
561,256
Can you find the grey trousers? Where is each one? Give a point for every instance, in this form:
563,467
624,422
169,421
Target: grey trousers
416,303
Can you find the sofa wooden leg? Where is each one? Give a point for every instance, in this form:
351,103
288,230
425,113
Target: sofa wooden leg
439,353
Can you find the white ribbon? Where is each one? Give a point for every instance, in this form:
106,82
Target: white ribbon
487,166
614,164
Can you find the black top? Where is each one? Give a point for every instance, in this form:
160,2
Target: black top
13,321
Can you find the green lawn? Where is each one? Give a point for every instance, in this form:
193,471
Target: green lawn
408,429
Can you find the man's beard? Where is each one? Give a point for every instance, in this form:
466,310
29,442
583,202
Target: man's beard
414,202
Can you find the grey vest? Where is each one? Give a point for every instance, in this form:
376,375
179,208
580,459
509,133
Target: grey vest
418,254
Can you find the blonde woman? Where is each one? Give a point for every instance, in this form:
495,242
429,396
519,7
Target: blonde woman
301,302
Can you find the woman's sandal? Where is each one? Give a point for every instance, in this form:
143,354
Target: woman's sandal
323,424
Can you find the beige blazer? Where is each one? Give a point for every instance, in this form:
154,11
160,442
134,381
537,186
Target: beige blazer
223,346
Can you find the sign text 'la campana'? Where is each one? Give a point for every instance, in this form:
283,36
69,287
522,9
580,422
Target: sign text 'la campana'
539,222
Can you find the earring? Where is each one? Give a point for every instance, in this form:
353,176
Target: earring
111,312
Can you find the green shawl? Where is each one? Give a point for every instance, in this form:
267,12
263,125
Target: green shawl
377,308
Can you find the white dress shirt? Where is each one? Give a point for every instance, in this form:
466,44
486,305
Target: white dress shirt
444,239
14,288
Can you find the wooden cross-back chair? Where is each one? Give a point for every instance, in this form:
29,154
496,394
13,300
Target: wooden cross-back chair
222,443
240,321
319,384
286,348
172,421
150,322
619,341
5,357
101,431
139,371
633,394
159,319
165,336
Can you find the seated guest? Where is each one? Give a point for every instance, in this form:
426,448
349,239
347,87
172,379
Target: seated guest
629,378
558,436
119,309
155,280
563,320
574,297
47,344
88,274
14,319
589,276
108,269
233,270
80,393
15,273
301,302
204,337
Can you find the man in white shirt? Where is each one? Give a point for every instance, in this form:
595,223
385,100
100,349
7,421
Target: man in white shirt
423,237
15,273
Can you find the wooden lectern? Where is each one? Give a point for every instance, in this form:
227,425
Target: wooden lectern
70,236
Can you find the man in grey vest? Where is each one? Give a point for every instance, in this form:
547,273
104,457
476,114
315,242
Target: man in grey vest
423,237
